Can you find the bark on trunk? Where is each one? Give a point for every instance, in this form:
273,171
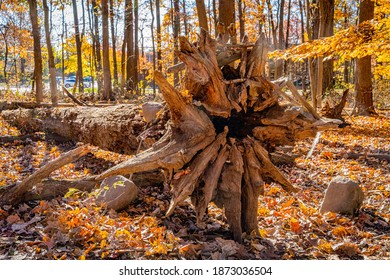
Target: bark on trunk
364,104
37,51
52,67
113,128
107,87
78,47
202,16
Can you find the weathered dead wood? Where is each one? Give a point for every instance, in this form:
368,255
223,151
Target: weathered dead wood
299,98
203,77
15,194
191,131
51,188
257,58
253,187
210,178
11,139
187,183
335,112
229,190
73,98
113,128
269,169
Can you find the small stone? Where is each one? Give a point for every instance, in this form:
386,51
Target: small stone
116,192
342,196
150,110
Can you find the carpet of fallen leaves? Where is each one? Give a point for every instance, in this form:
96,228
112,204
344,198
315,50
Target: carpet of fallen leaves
290,226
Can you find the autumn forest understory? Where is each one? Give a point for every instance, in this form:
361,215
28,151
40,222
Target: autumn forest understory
229,117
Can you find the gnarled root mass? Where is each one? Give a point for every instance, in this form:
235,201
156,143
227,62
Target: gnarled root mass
223,125
225,120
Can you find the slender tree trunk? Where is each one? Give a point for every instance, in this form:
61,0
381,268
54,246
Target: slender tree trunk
184,17
241,19
136,47
113,39
226,15
96,37
304,64
63,43
52,67
326,25
215,17
6,51
78,48
153,45
130,47
176,32
202,16
37,51
364,104
158,26
123,56
279,69
107,88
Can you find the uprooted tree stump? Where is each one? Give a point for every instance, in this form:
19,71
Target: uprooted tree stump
224,122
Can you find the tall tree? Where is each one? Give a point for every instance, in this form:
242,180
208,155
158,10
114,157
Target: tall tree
158,26
37,51
78,48
153,45
364,104
130,45
136,46
326,29
202,16
226,15
107,88
241,18
96,39
113,39
279,68
52,67
176,32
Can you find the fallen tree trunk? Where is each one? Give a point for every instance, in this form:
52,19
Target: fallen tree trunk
113,128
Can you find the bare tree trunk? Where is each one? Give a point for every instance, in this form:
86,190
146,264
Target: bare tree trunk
136,48
107,88
52,67
279,69
202,16
96,38
364,104
326,25
176,32
241,19
37,51
153,45
78,48
130,46
304,64
185,18
226,16
113,39
158,25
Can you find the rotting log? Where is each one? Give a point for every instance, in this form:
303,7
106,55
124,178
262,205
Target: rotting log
114,128
223,129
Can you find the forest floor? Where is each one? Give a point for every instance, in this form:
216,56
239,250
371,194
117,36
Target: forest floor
290,226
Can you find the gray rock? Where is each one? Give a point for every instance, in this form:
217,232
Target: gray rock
116,192
342,196
150,110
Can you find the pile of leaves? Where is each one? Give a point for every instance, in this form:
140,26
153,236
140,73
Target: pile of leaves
290,226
